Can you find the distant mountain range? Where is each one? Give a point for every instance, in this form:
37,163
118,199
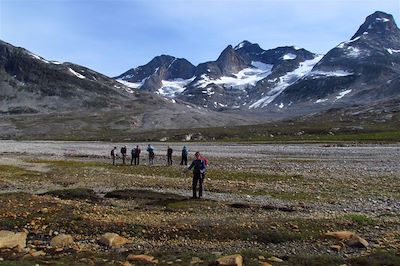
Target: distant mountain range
245,85
286,79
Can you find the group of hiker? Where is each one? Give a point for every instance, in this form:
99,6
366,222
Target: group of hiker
135,155
198,165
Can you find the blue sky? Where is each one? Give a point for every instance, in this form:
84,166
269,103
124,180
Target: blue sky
111,36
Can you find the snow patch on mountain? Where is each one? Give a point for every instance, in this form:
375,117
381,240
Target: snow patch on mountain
353,51
245,78
289,56
285,81
342,94
76,73
133,85
335,73
171,88
391,51
321,100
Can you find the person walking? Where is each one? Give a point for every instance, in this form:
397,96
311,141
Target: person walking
123,153
137,152
184,156
169,155
150,150
114,155
198,168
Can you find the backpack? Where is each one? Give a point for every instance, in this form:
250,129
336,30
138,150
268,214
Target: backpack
205,160
133,152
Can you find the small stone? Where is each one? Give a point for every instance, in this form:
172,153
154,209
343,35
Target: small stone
336,248
113,240
263,263
62,240
37,253
195,260
231,260
261,258
142,258
275,259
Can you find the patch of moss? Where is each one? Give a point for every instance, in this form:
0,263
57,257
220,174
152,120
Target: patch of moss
360,219
75,193
14,172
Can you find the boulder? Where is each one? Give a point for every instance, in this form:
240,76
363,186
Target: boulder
113,240
231,260
336,248
341,235
10,239
142,258
62,240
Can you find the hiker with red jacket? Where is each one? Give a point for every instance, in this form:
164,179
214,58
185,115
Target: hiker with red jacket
198,169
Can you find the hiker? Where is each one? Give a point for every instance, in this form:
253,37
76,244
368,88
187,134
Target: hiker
205,160
198,168
114,154
150,149
184,156
135,155
123,152
169,155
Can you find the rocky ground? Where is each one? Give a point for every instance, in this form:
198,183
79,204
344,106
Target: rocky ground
272,204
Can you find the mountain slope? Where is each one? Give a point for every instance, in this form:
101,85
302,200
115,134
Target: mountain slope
362,70
48,99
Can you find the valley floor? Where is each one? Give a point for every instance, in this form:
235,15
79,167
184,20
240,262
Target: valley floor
261,201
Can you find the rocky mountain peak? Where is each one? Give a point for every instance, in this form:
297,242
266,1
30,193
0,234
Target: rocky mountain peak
230,61
378,23
248,48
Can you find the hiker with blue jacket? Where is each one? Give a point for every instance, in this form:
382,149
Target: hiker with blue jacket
198,169
184,156
150,150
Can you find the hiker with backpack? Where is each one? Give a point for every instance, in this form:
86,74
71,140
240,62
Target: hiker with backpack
205,160
184,156
150,150
169,155
123,152
114,155
135,155
198,169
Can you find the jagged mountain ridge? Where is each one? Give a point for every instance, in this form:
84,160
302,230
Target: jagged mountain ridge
41,98
362,70
227,81
289,79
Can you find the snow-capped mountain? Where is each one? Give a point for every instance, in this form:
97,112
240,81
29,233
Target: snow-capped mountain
249,78
41,98
362,70
165,75
230,82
